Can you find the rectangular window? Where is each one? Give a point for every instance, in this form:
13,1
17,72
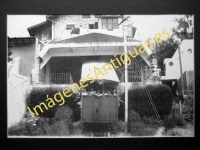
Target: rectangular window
70,26
85,16
110,24
93,26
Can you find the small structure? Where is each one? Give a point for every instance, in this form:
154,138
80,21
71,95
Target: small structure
172,69
100,103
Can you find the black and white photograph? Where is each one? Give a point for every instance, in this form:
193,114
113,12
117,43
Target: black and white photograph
100,75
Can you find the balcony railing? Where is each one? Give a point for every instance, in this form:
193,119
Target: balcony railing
52,78
60,78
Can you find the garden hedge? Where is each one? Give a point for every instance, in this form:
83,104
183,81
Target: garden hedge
139,102
39,93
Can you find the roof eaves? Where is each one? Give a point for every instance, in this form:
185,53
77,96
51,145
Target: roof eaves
29,28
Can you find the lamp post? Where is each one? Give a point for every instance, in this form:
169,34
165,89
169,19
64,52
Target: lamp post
126,78
126,84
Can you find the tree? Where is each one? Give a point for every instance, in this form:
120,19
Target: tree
167,48
185,28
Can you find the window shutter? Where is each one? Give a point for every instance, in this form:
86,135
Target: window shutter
96,25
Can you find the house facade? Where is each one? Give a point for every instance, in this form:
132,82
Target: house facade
65,42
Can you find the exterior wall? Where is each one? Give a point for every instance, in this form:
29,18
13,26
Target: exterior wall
185,55
188,81
44,32
16,95
26,52
83,23
187,60
175,68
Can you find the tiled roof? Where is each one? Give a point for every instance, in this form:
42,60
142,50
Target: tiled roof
21,39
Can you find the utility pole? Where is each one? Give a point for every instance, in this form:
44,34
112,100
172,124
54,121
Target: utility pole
126,84
181,76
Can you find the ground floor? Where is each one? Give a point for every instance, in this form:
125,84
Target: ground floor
68,69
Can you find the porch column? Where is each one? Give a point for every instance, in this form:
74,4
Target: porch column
48,67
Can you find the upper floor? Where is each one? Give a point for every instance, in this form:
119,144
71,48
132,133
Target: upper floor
60,27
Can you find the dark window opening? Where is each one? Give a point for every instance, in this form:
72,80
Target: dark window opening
70,26
171,63
110,24
93,26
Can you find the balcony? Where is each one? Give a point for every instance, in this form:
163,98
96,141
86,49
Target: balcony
60,78
52,78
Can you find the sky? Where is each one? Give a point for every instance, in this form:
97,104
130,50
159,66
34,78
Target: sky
147,25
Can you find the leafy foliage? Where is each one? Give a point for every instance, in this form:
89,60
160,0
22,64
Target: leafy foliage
167,48
182,30
139,102
39,94
25,129
188,109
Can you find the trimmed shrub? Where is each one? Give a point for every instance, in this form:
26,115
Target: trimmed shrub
39,94
64,113
139,101
133,116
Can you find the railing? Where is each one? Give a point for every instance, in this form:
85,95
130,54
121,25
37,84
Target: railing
162,73
60,78
52,78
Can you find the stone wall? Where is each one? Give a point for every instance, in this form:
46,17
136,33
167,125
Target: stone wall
62,20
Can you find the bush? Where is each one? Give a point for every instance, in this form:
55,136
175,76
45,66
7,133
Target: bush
25,129
139,102
58,128
188,109
170,123
61,123
39,94
64,113
137,129
133,116
151,122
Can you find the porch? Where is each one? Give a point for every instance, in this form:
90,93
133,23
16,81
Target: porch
67,70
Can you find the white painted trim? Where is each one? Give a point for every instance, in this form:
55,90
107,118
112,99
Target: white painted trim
93,44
